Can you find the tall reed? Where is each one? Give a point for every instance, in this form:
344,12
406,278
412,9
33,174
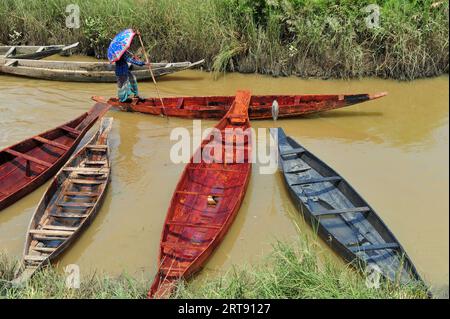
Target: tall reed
309,38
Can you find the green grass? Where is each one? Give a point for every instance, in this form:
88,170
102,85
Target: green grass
290,271
50,283
308,38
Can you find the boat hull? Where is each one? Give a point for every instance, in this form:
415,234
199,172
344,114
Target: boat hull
65,189
99,72
341,217
261,107
205,203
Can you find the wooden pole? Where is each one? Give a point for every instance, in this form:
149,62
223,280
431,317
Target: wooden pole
151,72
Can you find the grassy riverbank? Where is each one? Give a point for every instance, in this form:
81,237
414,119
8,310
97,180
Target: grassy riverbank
291,271
326,38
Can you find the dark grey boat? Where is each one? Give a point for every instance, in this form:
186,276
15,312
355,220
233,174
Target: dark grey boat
33,52
343,219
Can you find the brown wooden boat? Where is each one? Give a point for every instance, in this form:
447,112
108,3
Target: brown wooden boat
261,107
27,165
69,205
206,200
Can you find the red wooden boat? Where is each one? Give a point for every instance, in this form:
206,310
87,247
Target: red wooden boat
261,107
206,200
27,165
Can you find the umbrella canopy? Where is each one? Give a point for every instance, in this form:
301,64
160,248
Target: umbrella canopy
120,44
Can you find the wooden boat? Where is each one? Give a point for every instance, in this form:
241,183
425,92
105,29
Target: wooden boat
75,71
343,219
69,205
27,165
261,107
206,200
33,52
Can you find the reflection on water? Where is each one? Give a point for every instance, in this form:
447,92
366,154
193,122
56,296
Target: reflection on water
394,151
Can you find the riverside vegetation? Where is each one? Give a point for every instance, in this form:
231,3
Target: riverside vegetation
293,270
308,38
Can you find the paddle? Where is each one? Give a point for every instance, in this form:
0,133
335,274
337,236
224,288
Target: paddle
151,72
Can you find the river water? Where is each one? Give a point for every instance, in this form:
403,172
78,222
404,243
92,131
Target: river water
394,151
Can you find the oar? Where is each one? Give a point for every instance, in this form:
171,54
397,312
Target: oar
151,72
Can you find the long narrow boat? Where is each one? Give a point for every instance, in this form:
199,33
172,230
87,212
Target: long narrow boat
27,165
32,52
261,107
206,200
69,205
341,216
75,71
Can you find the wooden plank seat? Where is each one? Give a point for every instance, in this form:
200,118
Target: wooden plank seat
197,193
97,147
29,158
318,180
57,227
50,232
362,209
90,174
44,249
213,169
86,169
85,181
194,225
75,205
96,162
48,238
299,170
70,129
181,245
294,151
371,247
52,143
81,194
35,258
69,215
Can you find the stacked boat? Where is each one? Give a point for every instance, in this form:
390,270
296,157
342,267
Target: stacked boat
31,52
77,71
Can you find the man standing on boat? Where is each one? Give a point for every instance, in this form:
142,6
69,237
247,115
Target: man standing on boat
118,53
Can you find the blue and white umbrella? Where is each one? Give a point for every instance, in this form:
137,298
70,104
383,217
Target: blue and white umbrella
120,44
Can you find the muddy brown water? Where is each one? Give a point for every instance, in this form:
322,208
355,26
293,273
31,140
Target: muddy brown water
394,151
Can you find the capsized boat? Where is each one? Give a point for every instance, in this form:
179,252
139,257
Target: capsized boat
206,200
343,219
32,52
28,164
69,205
261,106
75,71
